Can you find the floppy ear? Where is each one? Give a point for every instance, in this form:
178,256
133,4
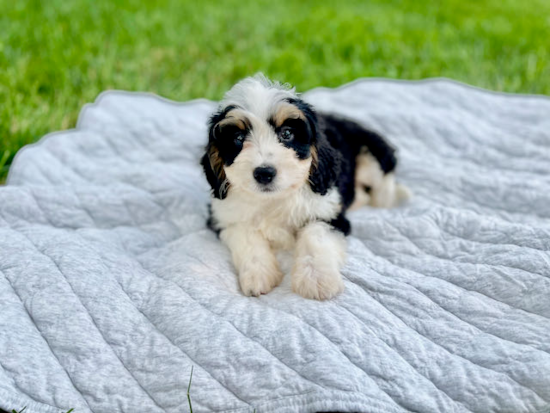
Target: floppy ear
213,169
325,166
212,163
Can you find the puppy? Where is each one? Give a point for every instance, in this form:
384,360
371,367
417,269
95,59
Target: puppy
282,178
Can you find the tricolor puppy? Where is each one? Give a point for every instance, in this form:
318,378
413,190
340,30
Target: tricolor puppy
282,178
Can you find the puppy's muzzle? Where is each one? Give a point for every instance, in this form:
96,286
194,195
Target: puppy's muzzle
264,174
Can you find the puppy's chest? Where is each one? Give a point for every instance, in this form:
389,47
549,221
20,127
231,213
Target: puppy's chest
278,219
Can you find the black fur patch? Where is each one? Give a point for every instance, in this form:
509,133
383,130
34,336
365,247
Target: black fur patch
326,171
211,221
348,139
344,131
225,142
341,223
229,138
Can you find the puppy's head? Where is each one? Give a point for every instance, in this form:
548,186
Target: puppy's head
261,140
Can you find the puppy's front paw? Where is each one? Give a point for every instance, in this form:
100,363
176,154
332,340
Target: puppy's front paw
257,280
316,281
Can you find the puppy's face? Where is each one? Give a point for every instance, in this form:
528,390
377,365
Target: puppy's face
262,141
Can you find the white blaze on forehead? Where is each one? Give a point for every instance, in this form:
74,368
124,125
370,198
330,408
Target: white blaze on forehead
258,95
263,144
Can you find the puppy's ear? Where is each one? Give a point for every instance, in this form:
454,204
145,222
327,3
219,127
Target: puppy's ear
213,169
212,163
325,166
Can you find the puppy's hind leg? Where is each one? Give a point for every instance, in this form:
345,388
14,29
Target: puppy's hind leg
320,253
253,258
388,193
375,187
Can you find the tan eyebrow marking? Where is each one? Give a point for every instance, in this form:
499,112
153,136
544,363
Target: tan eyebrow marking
287,111
236,117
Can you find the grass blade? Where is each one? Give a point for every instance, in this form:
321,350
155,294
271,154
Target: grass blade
188,389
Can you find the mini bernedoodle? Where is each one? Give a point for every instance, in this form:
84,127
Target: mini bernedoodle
282,178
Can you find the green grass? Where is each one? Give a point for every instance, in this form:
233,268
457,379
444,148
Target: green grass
56,55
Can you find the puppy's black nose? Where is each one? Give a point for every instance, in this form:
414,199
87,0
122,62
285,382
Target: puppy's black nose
264,174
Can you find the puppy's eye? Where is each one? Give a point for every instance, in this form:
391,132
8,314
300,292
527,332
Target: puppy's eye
239,138
286,134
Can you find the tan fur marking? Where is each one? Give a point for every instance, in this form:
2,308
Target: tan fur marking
314,157
287,111
237,118
216,163
314,160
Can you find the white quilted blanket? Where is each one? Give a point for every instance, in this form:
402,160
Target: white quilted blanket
112,288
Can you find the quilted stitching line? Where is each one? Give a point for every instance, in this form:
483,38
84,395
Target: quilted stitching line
7,397
500,243
288,402
430,216
166,336
46,218
447,208
475,165
14,383
493,265
45,340
135,224
114,149
85,209
499,213
181,350
66,164
400,355
444,309
443,230
347,358
414,128
364,288
473,291
265,402
464,290
429,150
459,264
230,323
210,311
41,172
410,239
165,218
92,319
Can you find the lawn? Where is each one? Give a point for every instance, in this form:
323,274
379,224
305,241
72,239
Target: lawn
56,55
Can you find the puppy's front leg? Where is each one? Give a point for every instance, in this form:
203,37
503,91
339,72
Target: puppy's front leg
320,253
253,258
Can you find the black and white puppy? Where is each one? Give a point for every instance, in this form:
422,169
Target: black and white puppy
282,178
